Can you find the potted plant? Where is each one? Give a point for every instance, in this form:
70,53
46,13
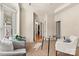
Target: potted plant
19,37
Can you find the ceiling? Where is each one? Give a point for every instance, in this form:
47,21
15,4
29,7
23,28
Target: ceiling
42,8
45,7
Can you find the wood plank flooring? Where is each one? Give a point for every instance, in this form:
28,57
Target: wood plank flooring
38,38
44,52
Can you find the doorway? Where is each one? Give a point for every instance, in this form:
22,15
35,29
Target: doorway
58,29
37,29
38,32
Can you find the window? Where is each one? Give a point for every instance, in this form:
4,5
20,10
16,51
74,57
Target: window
7,21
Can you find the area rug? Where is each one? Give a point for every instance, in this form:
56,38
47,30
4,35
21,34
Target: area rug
37,46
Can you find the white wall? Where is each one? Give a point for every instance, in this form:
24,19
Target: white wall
27,23
18,19
69,21
50,25
23,22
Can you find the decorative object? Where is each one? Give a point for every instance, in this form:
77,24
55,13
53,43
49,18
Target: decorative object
67,39
19,37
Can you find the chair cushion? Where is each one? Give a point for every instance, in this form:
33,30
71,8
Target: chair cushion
20,50
6,45
72,38
18,44
67,40
16,52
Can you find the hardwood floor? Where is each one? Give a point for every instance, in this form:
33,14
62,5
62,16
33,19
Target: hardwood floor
38,38
44,52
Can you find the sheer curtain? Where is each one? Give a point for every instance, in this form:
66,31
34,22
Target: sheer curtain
7,11
1,23
14,24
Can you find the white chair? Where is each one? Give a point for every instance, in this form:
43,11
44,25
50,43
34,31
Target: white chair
68,48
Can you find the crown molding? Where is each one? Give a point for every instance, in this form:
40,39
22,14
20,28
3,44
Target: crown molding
62,7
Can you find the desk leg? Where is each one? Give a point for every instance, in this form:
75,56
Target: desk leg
42,44
56,53
48,46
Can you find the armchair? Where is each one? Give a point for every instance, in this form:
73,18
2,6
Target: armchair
7,48
68,48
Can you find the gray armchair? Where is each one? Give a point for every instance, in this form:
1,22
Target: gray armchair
12,48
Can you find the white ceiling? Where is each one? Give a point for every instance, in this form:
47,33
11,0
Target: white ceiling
42,8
